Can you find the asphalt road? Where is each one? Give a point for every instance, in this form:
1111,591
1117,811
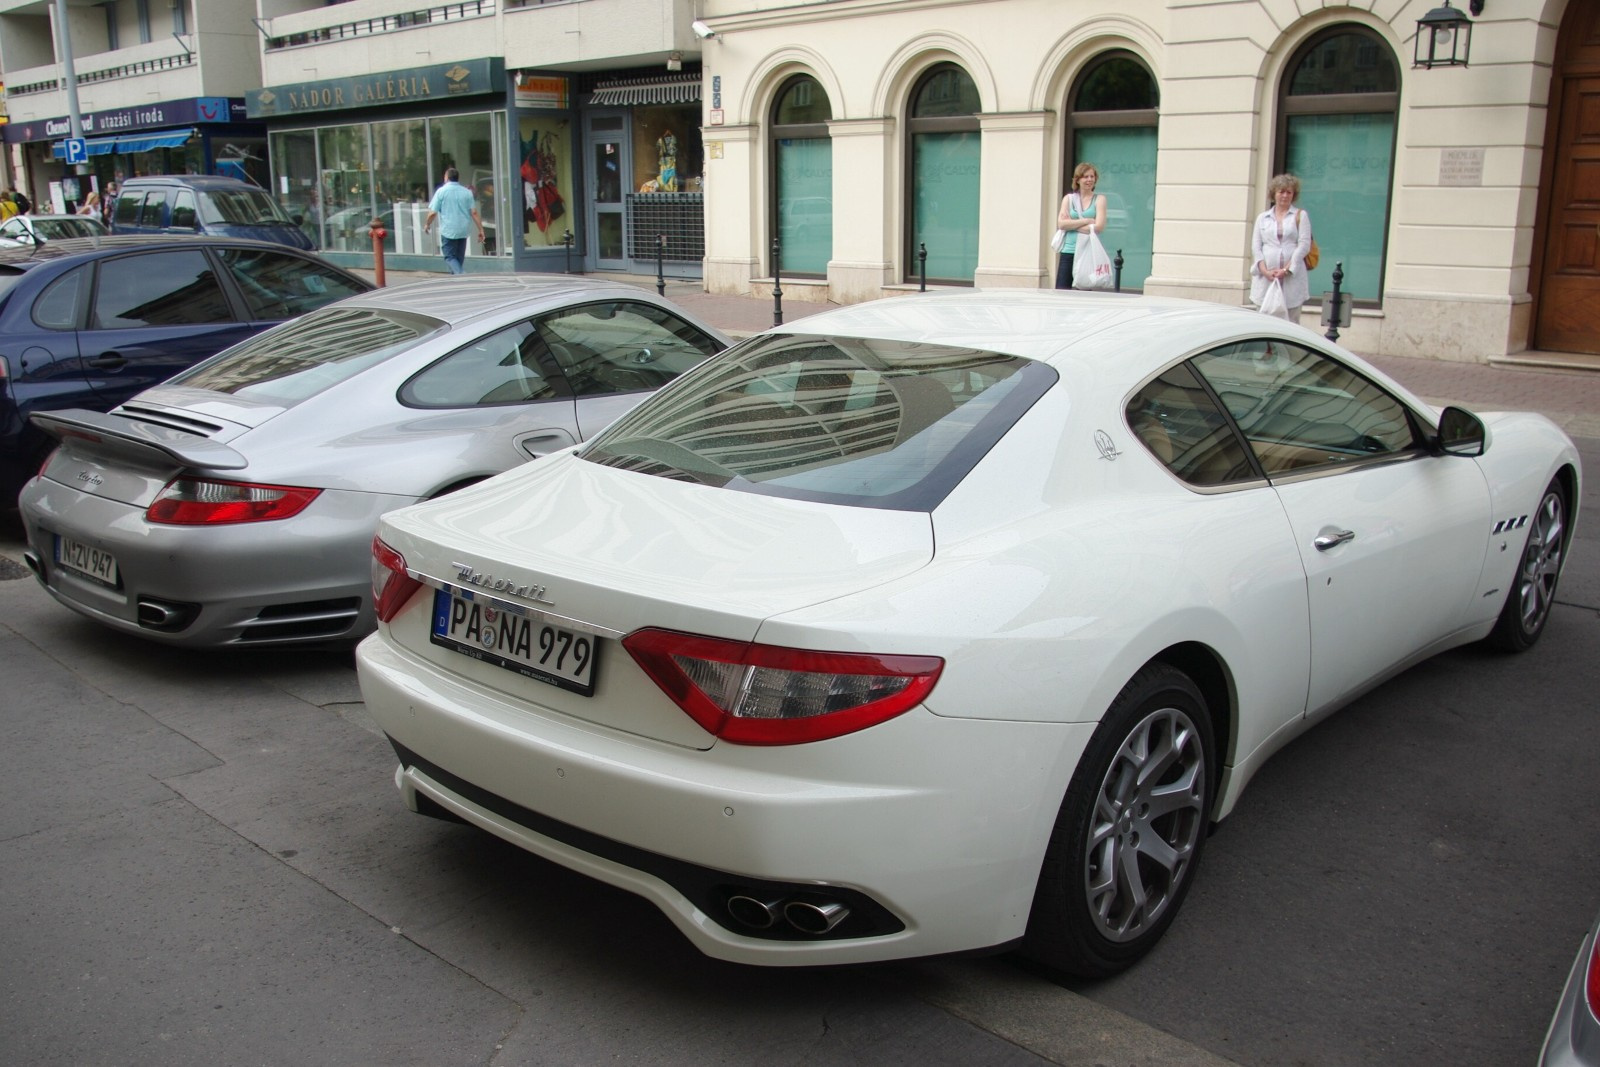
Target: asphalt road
203,860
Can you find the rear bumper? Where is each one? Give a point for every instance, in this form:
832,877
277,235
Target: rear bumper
304,580
930,830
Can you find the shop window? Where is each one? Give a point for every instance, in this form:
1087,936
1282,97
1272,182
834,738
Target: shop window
802,176
945,157
294,170
346,188
1114,111
1336,132
545,168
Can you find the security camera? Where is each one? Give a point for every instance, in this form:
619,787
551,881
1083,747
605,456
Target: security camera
701,30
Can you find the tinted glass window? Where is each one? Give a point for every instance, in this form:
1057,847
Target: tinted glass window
150,211
57,306
56,229
304,356
1176,419
1300,409
502,368
622,347
246,207
183,210
872,423
127,213
158,289
277,285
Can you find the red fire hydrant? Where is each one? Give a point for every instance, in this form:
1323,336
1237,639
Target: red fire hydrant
375,228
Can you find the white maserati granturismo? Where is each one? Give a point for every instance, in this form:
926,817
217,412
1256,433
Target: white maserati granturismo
947,622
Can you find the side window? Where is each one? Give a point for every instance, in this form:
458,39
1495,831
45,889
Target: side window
57,306
158,289
502,368
150,210
1300,409
277,285
622,346
1176,419
183,214
127,213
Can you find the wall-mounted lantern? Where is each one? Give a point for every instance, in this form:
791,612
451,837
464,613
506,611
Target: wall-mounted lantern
1444,36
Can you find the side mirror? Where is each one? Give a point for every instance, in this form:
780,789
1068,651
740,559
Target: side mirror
1461,433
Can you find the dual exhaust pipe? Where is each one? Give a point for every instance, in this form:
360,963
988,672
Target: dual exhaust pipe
809,917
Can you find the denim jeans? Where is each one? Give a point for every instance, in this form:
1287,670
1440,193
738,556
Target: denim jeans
455,251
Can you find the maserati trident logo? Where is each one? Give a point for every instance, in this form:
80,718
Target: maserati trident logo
471,575
1107,447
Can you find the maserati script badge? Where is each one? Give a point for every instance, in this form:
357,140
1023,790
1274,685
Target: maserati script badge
489,583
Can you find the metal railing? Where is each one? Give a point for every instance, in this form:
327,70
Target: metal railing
126,70
404,20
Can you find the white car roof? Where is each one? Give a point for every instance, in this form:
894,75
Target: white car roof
1051,325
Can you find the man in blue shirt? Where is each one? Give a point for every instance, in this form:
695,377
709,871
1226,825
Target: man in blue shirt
453,205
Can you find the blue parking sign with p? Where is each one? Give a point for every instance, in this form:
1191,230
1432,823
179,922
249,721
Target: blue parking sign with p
77,150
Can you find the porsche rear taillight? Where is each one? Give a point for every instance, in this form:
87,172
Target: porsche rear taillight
754,694
210,502
391,585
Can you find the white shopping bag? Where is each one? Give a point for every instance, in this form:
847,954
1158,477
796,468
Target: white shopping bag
1091,267
1272,303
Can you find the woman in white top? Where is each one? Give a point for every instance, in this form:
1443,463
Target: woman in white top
1081,209
1280,243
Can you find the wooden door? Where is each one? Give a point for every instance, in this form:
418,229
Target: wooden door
1568,316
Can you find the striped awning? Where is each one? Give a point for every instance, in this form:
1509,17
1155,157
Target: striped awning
129,142
684,89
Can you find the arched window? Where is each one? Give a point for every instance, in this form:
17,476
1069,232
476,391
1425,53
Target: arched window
1336,133
942,195
802,176
1114,114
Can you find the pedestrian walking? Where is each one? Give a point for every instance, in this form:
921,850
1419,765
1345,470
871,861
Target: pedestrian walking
457,211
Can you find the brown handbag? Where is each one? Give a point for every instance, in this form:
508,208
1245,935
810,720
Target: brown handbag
1314,256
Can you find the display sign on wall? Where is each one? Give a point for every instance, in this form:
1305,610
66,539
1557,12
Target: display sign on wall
467,77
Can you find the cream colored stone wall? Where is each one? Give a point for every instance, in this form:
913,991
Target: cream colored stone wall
1457,259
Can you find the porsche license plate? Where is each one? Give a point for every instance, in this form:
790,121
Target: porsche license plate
500,633
86,561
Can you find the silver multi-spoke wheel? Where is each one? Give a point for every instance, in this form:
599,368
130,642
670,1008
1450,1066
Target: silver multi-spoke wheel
1541,562
1533,588
1148,816
1127,838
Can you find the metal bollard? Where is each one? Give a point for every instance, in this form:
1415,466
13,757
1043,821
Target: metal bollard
566,239
777,287
375,228
661,275
1116,278
922,266
1335,300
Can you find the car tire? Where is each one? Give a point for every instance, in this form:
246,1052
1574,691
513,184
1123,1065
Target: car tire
1128,835
1533,588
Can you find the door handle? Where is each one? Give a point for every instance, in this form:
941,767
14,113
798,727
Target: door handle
109,361
1326,541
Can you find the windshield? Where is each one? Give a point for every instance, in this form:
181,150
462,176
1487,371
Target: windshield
861,421
240,207
305,356
56,229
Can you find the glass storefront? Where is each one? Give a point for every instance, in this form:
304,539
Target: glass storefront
946,164
802,154
1115,115
336,179
546,172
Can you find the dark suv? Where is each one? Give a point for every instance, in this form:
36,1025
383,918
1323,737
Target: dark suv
204,204
88,322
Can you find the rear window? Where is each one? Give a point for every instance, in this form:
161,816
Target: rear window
9,276
870,423
305,356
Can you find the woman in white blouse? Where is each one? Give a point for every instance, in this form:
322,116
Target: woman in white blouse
1280,243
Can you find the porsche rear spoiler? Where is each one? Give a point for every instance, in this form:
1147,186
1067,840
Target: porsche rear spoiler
117,433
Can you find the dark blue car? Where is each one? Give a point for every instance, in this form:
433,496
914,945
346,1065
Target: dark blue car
207,204
89,322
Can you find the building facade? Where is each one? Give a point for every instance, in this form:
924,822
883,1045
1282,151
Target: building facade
881,142
160,90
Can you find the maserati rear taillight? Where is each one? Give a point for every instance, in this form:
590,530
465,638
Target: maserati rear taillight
1591,988
208,502
391,585
754,694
